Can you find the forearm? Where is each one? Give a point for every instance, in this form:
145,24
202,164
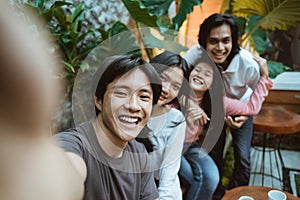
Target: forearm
253,106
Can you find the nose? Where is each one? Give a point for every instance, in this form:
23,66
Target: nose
133,103
165,87
220,45
200,74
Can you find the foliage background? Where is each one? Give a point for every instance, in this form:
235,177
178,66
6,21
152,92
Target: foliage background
78,26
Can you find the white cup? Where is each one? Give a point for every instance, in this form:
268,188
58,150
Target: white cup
276,195
245,198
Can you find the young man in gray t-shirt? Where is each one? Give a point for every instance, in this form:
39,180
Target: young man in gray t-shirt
112,164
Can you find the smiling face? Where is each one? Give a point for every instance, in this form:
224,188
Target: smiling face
219,44
171,79
126,106
201,78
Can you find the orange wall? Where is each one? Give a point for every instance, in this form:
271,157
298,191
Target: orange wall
194,19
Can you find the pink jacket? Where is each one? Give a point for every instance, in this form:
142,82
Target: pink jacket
236,107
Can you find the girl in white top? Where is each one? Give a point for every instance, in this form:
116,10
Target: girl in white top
168,125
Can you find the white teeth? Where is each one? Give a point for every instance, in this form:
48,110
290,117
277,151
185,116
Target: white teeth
199,81
129,119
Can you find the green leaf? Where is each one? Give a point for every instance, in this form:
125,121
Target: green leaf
185,8
225,6
241,22
150,41
121,41
117,27
157,7
103,33
277,14
140,13
59,14
276,68
59,4
78,13
40,4
69,67
259,37
66,40
160,9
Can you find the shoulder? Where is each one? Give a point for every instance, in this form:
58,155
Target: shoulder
247,58
193,54
136,147
77,140
176,114
77,134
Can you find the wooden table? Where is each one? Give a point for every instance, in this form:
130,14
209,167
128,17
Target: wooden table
256,192
275,120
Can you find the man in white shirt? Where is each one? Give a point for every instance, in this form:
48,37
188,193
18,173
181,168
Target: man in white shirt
218,35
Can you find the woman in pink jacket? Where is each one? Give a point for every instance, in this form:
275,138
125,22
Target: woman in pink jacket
198,171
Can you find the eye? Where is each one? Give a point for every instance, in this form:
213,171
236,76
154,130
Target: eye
145,97
120,93
208,74
176,87
163,78
226,41
197,69
212,41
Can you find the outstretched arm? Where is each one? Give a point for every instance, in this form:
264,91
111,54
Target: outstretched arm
253,106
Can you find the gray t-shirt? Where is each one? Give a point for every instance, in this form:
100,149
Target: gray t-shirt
127,177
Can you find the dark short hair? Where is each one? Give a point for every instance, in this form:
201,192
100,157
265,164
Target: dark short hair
163,61
116,66
214,21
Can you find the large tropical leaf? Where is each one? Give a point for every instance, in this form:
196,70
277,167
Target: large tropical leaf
225,6
259,37
121,40
164,41
140,13
276,68
186,7
277,14
159,8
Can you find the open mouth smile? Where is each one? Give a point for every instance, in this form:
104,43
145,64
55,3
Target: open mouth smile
162,97
199,81
129,119
219,55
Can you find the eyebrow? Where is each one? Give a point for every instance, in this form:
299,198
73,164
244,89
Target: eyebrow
214,38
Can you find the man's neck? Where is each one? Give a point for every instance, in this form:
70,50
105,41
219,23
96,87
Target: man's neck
223,66
107,141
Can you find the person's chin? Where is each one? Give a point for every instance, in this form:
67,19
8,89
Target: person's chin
219,61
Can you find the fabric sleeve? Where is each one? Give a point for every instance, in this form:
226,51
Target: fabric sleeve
69,142
169,185
252,77
253,106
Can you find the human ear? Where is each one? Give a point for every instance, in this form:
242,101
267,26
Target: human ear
98,103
